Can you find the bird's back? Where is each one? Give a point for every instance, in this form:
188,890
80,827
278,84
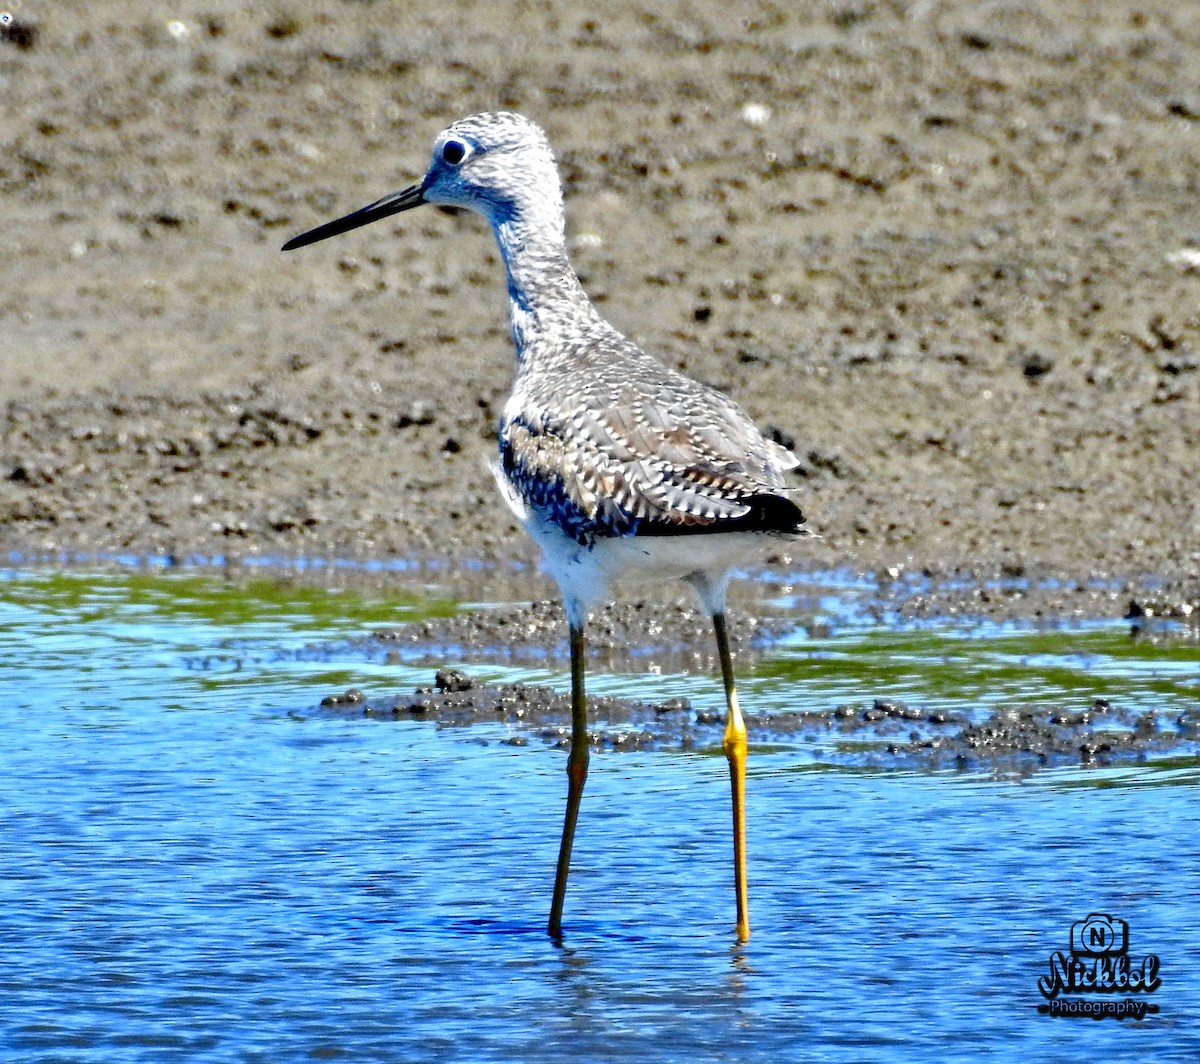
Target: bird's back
603,440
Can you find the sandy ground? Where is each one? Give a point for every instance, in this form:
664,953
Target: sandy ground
952,251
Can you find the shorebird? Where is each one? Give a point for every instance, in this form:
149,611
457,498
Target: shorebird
615,464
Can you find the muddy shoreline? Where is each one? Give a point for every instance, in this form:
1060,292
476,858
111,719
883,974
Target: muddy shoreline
946,255
872,733
882,733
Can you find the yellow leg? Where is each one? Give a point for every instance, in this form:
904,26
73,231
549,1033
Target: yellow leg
735,751
577,768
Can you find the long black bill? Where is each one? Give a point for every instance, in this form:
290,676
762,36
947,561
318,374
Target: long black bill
393,204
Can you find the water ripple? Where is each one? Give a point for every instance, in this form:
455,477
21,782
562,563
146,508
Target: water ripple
196,865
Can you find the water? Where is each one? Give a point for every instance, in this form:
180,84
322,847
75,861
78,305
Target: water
199,864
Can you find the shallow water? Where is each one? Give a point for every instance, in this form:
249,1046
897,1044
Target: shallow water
198,863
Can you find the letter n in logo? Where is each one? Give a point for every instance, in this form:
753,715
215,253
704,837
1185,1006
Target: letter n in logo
1099,935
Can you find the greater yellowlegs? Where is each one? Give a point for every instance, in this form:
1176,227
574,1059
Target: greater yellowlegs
615,465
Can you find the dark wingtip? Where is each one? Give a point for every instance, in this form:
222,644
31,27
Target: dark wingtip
772,513
768,513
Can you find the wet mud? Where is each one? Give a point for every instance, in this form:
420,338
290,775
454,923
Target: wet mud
635,635
881,734
874,733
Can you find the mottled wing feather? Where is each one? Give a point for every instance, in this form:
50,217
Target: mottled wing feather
614,444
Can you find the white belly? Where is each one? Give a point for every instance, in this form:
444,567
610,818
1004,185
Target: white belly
586,575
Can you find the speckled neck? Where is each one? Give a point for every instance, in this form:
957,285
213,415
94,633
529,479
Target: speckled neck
545,296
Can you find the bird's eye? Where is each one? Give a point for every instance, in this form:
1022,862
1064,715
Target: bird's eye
454,152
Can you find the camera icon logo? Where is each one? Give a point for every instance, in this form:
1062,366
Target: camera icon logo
1098,935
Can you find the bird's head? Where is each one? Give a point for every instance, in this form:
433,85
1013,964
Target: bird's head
497,164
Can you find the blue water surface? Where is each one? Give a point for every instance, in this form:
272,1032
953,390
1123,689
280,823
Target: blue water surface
197,863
